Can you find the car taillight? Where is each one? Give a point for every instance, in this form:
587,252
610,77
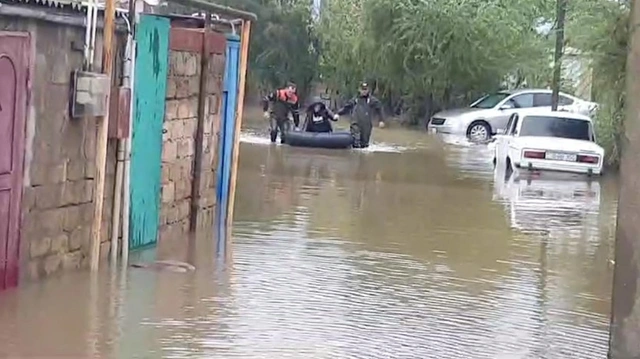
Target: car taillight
588,159
534,154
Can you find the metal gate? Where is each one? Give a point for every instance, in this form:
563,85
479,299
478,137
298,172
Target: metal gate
14,64
227,130
150,87
228,117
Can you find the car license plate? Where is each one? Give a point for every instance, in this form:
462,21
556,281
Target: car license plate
433,130
567,157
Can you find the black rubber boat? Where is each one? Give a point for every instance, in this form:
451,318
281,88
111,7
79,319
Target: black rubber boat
320,140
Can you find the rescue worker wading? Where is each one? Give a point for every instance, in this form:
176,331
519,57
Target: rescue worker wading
318,117
283,102
363,108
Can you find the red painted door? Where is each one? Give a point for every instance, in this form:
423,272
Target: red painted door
13,94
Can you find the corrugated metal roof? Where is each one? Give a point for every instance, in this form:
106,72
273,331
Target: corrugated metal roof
73,4
69,4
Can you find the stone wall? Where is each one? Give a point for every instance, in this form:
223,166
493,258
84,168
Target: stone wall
59,156
179,143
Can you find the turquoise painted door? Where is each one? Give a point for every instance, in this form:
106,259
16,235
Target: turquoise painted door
150,87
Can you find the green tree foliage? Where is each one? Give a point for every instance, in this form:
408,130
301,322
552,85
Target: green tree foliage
283,43
600,29
426,55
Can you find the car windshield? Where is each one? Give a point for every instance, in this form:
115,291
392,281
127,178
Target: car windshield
490,101
548,126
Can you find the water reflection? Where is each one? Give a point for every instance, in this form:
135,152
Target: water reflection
556,207
348,254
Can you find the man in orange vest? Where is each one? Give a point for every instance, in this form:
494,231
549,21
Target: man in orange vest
282,103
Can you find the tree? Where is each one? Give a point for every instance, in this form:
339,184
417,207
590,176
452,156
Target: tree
424,55
283,43
600,29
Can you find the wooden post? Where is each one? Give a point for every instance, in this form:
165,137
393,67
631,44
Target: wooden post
244,58
202,98
101,141
561,8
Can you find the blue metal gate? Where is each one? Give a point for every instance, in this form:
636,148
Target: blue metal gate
227,132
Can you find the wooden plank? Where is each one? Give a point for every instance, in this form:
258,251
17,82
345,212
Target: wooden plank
190,40
244,58
182,39
102,140
120,106
202,98
216,43
150,86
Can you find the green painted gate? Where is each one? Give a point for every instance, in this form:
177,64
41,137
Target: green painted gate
150,84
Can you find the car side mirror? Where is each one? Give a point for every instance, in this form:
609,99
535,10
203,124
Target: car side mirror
505,107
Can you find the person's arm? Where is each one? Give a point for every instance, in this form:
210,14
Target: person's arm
347,107
332,116
307,120
377,106
295,113
271,96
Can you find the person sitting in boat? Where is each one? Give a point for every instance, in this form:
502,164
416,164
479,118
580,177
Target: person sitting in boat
363,108
282,103
319,117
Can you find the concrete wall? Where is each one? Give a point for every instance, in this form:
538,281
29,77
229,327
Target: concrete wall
59,156
179,142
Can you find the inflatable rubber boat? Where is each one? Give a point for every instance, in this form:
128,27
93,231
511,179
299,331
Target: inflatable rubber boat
341,139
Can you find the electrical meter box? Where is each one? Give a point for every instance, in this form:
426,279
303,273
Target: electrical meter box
90,94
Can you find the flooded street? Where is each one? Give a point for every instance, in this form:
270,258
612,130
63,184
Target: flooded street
411,249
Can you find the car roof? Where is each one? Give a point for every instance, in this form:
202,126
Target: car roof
548,113
528,90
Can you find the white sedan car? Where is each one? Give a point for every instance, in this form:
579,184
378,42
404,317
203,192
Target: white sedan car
488,115
551,141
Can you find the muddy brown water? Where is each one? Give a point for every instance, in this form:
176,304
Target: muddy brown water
413,249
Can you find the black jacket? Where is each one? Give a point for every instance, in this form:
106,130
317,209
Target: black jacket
363,109
281,105
318,121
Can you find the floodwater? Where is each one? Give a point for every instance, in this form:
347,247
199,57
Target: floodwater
411,249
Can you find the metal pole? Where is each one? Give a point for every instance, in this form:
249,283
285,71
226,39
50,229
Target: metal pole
561,8
101,143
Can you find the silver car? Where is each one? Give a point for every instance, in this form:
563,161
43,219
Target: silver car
489,115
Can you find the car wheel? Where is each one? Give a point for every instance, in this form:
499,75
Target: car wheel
479,131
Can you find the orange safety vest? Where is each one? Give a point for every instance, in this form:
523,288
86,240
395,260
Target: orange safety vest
284,96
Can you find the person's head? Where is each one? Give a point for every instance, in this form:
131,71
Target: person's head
291,87
316,105
363,90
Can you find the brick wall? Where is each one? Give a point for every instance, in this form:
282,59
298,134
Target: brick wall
179,142
59,157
